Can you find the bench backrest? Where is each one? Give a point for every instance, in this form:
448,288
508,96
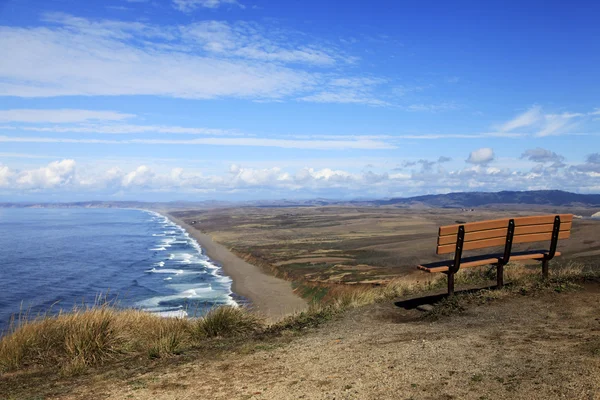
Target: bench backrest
492,233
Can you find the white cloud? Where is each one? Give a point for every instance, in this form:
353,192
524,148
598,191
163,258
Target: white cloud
481,156
256,177
355,90
61,177
204,60
344,96
58,173
122,129
325,175
81,57
544,124
528,118
556,123
431,107
140,177
5,175
191,5
257,142
249,41
60,116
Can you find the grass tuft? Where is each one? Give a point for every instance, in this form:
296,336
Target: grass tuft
76,340
227,321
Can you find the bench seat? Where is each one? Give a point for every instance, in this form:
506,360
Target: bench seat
493,234
477,261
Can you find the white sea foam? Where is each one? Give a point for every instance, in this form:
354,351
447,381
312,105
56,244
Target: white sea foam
173,314
167,271
198,291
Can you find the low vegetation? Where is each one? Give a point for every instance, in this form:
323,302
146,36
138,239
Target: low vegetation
356,245
76,340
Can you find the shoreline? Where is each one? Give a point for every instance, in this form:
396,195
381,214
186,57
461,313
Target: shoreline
272,297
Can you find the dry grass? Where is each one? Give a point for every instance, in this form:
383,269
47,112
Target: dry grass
226,322
522,280
350,244
81,338
519,277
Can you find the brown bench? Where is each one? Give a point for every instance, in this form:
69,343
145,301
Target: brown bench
499,232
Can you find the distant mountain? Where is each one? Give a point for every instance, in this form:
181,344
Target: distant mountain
450,200
478,199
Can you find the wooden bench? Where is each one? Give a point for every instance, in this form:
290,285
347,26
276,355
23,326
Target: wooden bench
494,233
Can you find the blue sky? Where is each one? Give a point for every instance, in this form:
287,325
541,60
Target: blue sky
238,100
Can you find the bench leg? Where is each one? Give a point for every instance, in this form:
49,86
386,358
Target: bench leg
545,268
450,284
500,275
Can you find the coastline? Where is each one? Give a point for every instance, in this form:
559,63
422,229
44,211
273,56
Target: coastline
270,296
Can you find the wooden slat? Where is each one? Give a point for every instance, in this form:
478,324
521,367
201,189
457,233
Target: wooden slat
501,233
442,268
501,223
531,256
468,264
487,261
480,244
478,263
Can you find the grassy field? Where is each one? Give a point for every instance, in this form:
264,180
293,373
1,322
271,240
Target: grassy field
329,245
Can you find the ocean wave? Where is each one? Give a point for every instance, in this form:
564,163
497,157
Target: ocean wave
165,271
173,314
181,263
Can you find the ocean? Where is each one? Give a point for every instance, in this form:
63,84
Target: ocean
53,259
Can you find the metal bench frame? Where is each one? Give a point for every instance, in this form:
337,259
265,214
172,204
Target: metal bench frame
502,261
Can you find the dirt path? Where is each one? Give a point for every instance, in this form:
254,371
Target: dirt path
541,347
272,297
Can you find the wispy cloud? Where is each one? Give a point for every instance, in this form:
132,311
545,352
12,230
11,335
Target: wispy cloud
345,96
25,155
431,107
205,60
355,90
545,124
528,118
255,142
116,129
250,40
558,123
60,115
190,5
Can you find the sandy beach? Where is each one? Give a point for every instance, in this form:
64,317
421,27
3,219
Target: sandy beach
270,296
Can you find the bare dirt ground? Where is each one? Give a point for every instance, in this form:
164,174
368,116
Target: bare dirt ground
544,346
337,244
